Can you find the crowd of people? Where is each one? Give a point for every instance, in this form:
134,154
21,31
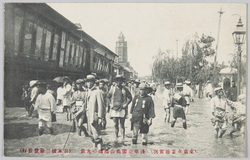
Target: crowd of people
226,111
88,102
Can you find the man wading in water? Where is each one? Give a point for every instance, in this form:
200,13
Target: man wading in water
142,111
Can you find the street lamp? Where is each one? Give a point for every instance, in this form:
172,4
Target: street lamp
239,39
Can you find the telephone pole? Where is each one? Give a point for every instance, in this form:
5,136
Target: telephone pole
218,36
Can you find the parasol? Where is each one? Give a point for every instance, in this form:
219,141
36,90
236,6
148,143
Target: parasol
61,79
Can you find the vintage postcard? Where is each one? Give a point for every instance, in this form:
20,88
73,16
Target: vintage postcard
125,80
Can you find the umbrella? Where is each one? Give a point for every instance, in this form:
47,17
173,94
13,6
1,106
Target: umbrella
104,80
61,79
33,82
80,81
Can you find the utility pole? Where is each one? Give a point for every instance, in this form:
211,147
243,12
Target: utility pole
218,36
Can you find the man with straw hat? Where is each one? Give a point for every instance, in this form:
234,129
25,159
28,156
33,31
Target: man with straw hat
95,111
79,108
119,97
179,103
33,95
187,93
166,95
219,110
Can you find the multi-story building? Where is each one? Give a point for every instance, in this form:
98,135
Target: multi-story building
124,67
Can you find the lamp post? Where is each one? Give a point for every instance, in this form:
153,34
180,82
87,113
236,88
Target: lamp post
239,38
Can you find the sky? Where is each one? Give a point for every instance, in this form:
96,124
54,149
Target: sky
148,27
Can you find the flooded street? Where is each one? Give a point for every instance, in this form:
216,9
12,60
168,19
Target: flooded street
198,140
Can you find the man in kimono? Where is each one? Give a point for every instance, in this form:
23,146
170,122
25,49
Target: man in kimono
219,111
188,94
95,111
166,95
239,114
119,98
179,103
102,86
142,111
136,90
26,98
33,95
45,104
79,108
66,93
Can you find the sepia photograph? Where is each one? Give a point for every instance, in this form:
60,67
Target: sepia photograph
130,79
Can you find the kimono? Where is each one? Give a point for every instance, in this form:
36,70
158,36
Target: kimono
33,96
66,95
239,111
219,107
95,111
178,103
118,97
166,98
142,107
79,104
45,104
188,93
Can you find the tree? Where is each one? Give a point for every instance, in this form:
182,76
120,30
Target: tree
192,65
165,67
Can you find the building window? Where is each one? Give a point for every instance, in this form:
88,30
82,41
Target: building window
62,51
84,54
106,66
55,46
67,52
63,40
77,56
17,32
39,38
94,63
80,56
61,58
47,45
72,49
28,38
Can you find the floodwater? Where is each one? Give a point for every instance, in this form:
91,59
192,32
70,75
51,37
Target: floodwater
198,140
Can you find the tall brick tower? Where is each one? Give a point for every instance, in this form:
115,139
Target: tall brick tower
121,50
